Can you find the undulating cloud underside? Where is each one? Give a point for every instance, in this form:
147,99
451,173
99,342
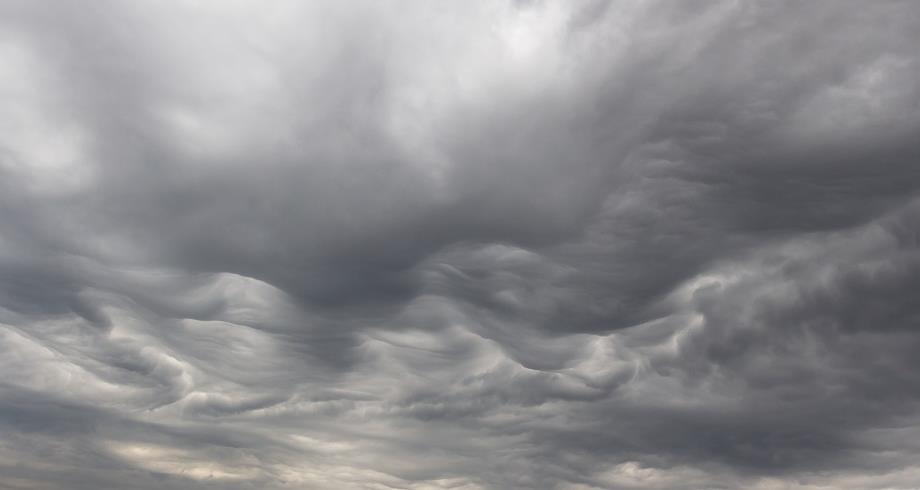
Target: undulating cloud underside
459,245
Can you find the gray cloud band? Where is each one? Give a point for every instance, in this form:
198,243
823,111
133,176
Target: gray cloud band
488,245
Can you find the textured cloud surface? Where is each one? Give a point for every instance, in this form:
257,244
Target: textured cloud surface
467,245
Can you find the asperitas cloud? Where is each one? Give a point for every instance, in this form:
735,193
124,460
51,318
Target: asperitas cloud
459,245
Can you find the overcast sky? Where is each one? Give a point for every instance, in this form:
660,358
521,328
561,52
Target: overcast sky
498,245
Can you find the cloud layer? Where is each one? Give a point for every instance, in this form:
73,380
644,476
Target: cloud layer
474,245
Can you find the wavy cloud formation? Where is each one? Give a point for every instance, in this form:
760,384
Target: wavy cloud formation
476,245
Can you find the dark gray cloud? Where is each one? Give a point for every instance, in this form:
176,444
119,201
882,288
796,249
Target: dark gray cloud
487,245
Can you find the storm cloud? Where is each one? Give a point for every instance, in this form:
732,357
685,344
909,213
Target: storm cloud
469,245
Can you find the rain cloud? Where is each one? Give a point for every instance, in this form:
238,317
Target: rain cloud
459,245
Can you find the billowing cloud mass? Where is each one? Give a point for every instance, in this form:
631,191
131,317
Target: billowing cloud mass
459,245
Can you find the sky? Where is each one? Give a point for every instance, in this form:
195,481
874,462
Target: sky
406,244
